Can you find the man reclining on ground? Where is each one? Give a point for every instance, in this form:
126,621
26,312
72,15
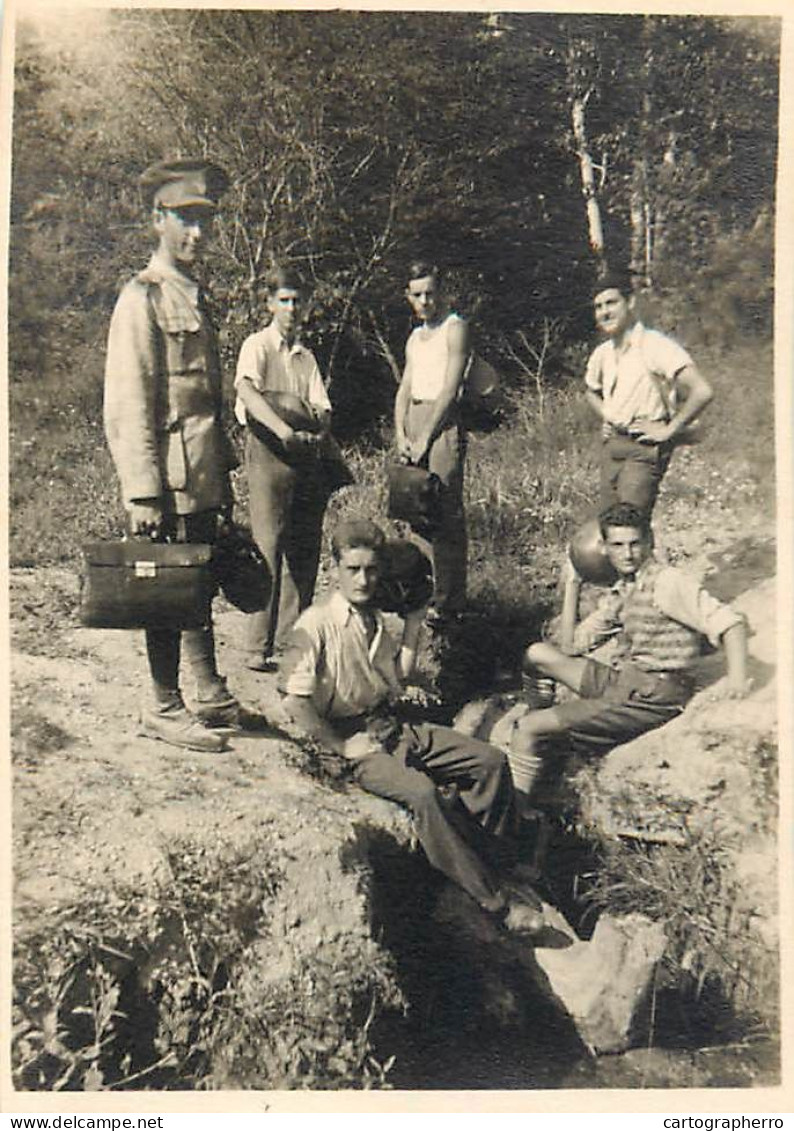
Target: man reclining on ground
661,614
341,674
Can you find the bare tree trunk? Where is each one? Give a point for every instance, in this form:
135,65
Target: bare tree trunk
384,348
637,217
594,226
642,204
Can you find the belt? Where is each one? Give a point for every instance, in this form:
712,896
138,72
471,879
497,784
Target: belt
682,678
623,430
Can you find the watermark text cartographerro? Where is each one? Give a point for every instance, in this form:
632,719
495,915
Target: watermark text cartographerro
718,1123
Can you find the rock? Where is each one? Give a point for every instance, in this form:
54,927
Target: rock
603,982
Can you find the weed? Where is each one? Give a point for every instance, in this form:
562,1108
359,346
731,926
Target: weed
172,987
692,889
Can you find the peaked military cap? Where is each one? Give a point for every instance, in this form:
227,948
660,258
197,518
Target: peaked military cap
184,182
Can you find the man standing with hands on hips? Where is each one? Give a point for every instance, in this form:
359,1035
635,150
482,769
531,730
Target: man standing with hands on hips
646,390
163,424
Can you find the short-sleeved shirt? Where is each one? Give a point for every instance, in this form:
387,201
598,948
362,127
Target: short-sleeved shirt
329,661
427,354
271,365
676,594
637,380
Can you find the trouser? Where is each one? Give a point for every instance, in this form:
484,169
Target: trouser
163,645
617,705
448,545
455,834
632,472
287,503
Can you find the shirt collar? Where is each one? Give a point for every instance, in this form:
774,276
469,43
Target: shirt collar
342,610
640,578
279,341
167,270
632,339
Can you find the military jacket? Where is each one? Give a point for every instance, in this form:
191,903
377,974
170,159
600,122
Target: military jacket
162,407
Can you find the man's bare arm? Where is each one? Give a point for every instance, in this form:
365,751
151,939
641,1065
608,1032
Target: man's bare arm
457,354
409,646
734,642
698,393
572,584
301,711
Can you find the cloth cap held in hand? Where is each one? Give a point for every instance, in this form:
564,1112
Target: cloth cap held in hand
406,581
184,183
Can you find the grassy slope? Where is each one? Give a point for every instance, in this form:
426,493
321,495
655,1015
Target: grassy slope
529,482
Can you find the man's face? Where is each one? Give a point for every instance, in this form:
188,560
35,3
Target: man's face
357,573
183,231
613,312
285,307
422,295
627,548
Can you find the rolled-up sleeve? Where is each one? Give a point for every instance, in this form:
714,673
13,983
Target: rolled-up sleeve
594,374
131,372
684,599
664,355
299,665
251,366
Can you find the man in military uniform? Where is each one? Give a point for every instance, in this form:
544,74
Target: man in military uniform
163,425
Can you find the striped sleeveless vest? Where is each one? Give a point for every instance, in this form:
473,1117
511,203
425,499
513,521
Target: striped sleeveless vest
657,643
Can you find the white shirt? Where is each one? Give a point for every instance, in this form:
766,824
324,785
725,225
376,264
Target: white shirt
270,364
637,380
427,354
329,660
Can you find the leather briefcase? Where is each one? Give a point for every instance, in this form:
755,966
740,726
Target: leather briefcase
413,496
142,584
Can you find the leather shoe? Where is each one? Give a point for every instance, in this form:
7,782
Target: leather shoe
219,708
176,726
261,663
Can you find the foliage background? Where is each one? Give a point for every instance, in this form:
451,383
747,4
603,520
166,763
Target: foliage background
356,140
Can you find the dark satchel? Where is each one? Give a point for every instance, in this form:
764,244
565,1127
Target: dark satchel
142,584
414,496
240,569
406,579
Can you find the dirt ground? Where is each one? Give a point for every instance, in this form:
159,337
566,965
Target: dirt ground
96,806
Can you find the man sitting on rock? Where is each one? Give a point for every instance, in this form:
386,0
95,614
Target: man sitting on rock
660,615
341,675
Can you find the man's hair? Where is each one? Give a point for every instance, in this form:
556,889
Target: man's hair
616,278
421,268
286,277
624,514
356,534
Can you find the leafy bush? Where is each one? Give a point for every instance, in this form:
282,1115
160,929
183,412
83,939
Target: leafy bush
171,988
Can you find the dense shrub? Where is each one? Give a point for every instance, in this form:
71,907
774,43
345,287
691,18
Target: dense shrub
170,987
